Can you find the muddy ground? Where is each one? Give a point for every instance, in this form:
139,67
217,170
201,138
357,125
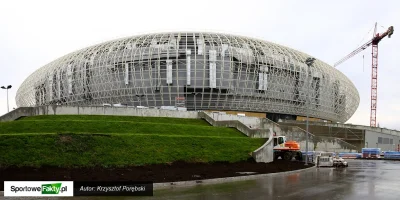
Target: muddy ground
177,171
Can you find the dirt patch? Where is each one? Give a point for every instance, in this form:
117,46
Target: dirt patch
177,171
65,138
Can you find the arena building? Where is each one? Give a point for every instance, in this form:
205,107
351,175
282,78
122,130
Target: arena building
195,71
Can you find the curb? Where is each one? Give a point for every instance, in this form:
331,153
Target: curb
180,184
377,159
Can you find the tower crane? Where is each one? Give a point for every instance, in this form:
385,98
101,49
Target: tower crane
374,77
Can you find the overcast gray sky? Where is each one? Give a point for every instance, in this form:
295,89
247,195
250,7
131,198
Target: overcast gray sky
34,33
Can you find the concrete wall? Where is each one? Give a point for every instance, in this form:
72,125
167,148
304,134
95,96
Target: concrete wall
315,143
371,140
100,110
350,126
251,122
17,113
266,152
235,112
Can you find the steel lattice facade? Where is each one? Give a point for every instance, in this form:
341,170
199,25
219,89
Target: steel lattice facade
203,71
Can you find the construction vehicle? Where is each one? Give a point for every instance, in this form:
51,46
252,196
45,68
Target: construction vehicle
287,150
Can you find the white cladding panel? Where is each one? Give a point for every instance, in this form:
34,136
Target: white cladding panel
69,78
126,74
169,71
188,52
58,79
262,81
213,75
50,87
200,46
212,55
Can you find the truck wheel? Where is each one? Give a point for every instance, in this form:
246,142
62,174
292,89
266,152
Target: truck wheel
299,156
287,156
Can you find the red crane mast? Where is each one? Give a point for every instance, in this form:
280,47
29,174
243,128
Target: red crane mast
374,77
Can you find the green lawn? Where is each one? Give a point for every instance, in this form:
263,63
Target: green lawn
116,141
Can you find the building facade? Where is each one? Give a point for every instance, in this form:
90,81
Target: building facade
196,71
387,142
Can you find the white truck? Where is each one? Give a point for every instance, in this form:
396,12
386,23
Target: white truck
327,159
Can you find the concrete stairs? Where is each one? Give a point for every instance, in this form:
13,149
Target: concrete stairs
265,128
264,153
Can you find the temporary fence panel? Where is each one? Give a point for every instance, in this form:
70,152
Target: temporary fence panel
371,152
395,155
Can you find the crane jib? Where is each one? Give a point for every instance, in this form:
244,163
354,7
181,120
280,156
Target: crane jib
374,40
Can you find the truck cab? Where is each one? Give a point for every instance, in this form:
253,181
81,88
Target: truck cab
279,141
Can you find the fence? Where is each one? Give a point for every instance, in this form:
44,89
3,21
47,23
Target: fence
393,155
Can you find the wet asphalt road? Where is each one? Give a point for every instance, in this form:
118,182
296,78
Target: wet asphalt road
362,180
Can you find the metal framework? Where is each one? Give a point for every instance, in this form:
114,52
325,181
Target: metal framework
203,71
374,77
374,84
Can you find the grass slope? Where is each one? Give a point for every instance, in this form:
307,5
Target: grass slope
123,141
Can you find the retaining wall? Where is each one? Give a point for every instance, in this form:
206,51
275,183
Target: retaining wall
252,122
102,110
95,110
266,152
17,113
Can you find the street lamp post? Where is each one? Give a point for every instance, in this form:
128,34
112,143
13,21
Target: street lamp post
7,88
309,63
